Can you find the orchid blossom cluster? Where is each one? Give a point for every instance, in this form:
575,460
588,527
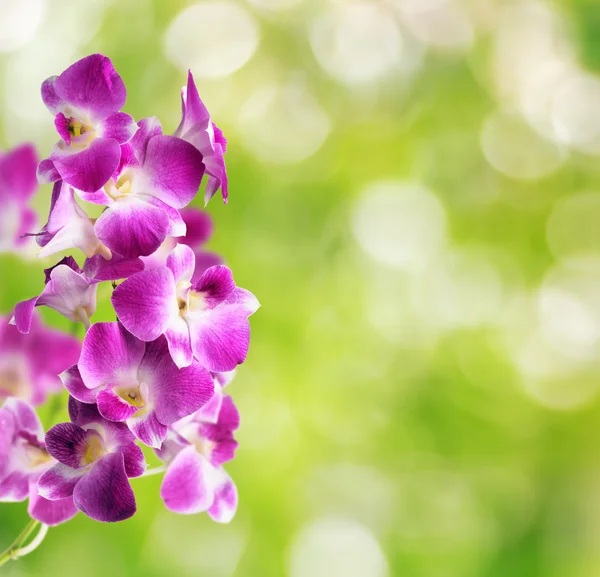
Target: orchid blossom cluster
156,375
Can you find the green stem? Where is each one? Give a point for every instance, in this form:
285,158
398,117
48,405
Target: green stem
13,550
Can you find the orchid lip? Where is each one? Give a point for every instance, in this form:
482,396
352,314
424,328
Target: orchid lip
132,395
182,290
120,187
94,449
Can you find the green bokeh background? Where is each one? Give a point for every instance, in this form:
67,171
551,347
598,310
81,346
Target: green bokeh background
425,440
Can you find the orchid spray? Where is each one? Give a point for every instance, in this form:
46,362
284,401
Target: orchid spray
156,375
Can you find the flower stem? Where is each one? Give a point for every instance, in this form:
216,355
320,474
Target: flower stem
18,548
154,471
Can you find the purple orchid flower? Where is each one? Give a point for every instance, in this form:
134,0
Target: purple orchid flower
69,226
199,228
85,101
197,128
67,291
17,185
209,413
195,452
95,458
135,382
29,365
207,320
157,176
23,458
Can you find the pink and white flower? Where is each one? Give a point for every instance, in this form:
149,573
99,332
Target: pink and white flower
207,321
136,383
195,452
86,100
96,458
23,458
18,184
29,364
67,291
197,128
157,176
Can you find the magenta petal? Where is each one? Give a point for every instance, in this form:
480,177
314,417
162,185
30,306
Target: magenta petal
68,443
181,261
61,123
179,341
7,432
109,353
176,224
73,382
59,481
216,284
50,513
104,494
113,407
68,291
67,260
229,416
199,226
17,172
147,128
118,267
23,315
88,169
148,429
132,227
204,260
209,413
52,100
245,298
14,487
193,110
187,487
174,169
221,339
46,172
135,463
92,84
225,502
146,303
176,393
119,126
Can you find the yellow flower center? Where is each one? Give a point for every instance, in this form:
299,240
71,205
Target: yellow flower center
131,395
94,451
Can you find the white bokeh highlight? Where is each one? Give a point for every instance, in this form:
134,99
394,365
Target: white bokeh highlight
576,113
283,124
214,38
400,224
461,289
513,148
441,24
356,42
336,547
19,21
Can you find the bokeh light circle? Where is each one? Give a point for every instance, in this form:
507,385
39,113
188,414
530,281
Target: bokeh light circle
19,21
336,547
356,43
283,124
516,150
213,38
401,224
